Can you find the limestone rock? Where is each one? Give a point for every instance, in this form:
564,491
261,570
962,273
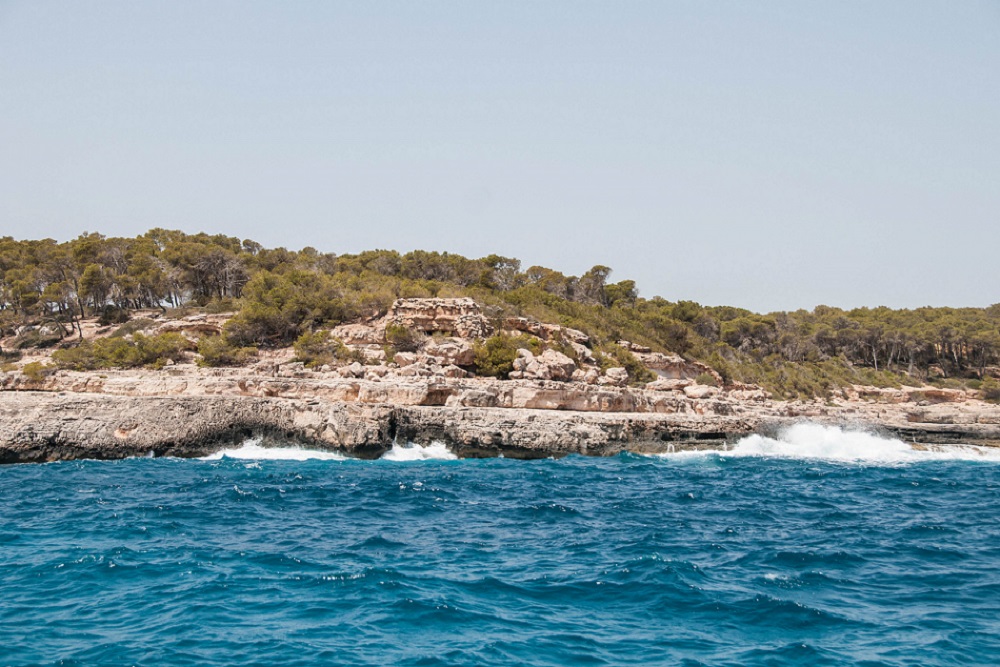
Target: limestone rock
358,334
616,377
414,370
405,358
546,331
459,317
699,391
634,348
664,384
560,366
450,351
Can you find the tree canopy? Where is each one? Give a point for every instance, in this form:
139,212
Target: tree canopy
279,294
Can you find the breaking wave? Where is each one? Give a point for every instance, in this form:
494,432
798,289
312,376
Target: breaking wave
254,450
414,452
833,443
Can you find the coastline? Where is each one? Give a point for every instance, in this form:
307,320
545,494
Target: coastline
188,412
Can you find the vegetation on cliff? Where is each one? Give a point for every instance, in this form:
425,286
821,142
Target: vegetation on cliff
281,296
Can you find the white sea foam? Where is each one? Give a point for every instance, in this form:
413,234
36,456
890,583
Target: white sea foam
832,443
252,449
414,452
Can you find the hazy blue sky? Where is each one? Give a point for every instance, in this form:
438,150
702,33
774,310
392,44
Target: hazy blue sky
761,154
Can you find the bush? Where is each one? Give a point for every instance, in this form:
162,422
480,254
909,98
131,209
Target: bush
36,371
34,338
112,315
150,351
133,326
990,390
216,351
277,308
707,378
612,355
494,357
319,348
402,339
79,358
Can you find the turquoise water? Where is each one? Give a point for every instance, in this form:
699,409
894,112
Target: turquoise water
715,559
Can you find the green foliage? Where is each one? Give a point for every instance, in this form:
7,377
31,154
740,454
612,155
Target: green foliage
112,315
35,338
990,390
140,350
279,294
319,348
277,308
707,378
133,326
401,339
494,357
612,355
36,371
216,351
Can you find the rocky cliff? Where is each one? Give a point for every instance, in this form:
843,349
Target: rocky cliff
197,412
558,399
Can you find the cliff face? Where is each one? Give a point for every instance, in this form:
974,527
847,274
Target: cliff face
553,404
83,416
47,427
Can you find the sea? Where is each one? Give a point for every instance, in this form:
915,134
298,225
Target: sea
820,546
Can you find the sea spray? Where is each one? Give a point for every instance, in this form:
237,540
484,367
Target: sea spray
837,444
413,452
253,450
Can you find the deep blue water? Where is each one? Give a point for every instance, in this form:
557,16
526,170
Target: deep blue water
709,560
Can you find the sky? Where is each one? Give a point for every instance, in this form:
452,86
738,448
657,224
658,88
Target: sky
767,155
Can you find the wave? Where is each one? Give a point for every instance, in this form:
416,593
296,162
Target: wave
253,450
833,443
414,452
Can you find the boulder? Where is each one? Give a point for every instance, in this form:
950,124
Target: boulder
675,367
616,377
699,391
664,384
355,370
405,358
560,366
414,370
546,331
634,348
357,334
449,351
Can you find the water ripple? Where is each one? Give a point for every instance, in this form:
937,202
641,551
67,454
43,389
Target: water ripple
702,560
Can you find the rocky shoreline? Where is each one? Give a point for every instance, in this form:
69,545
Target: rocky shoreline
549,404
195,412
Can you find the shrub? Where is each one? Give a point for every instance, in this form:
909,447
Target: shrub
151,351
133,326
494,357
707,378
216,351
611,355
36,371
319,348
112,315
79,358
34,338
277,308
402,339
990,390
